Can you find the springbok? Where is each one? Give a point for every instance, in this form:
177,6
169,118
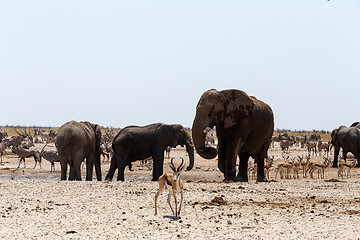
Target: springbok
268,164
297,164
320,167
171,179
304,164
284,166
346,165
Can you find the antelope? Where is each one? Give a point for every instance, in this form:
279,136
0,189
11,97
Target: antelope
104,152
285,144
15,140
171,179
311,146
346,165
51,156
296,164
284,166
304,164
268,164
3,134
146,162
26,143
320,167
3,146
25,153
167,151
250,167
323,145
254,171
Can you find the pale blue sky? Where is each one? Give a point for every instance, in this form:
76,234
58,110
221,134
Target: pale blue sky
119,63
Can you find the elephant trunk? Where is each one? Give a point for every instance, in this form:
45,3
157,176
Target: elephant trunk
190,151
199,136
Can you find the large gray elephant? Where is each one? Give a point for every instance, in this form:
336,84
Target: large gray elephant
138,143
75,142
244,127
348,138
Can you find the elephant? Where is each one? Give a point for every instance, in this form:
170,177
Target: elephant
75,142
348,138
244,127
140,142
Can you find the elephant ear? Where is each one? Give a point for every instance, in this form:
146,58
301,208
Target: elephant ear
97,131
238,106
97,137
334,135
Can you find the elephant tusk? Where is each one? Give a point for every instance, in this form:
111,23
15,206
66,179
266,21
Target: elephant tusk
206,130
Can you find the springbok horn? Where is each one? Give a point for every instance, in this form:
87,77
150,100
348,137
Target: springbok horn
182,162
172,164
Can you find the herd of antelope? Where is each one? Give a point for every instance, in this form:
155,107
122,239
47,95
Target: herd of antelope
312,143
289,167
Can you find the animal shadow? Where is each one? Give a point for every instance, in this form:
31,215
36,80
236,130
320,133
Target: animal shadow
172,218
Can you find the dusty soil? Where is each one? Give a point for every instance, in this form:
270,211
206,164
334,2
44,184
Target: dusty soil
34,204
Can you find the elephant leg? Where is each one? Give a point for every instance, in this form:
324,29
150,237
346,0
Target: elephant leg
89,167
72,173
113,167
231,157
91,160
344,155
121,170
122,162
154,170
243,166
97,167
260,168
158,162
63,165
260,163
75,166
130,167
221,155
77,171
336,154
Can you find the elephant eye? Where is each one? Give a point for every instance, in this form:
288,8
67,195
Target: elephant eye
212,112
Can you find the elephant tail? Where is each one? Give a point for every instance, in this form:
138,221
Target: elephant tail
63,142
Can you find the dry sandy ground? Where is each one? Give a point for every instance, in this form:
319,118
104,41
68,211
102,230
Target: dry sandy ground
35,205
